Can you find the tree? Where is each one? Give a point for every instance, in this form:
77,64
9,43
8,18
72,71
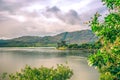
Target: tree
107,58
61,44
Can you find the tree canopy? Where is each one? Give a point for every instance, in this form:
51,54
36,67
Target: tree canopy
107,58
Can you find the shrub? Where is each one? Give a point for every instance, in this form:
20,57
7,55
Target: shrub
60,73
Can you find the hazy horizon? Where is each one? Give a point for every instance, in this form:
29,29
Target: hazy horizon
46,17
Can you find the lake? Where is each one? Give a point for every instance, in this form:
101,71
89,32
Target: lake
14,59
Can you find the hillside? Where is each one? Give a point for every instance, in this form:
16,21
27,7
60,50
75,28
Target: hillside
79,37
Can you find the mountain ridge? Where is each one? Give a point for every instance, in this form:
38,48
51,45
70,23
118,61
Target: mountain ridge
76,37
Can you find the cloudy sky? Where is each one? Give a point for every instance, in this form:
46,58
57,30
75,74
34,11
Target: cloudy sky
45,17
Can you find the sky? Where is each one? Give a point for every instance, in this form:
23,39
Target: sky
46,17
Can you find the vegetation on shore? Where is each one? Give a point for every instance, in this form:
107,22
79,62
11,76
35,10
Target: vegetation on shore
64,46
107,58
60,73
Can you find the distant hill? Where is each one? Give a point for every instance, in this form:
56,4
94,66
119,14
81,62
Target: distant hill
78,37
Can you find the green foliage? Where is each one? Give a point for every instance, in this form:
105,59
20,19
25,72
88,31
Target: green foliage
107,58
72,46
60,73
96,45
112,3
61,44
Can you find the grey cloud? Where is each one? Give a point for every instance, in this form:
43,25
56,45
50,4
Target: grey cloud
37,23
71,17
15,5
11,7
53,9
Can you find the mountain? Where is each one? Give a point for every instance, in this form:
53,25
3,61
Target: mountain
78,37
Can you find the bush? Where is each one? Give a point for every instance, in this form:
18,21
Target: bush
60,73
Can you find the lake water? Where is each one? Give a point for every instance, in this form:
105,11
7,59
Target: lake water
14,59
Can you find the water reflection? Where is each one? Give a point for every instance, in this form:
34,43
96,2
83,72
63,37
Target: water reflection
13,59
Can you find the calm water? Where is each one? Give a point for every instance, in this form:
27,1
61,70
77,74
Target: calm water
13,59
